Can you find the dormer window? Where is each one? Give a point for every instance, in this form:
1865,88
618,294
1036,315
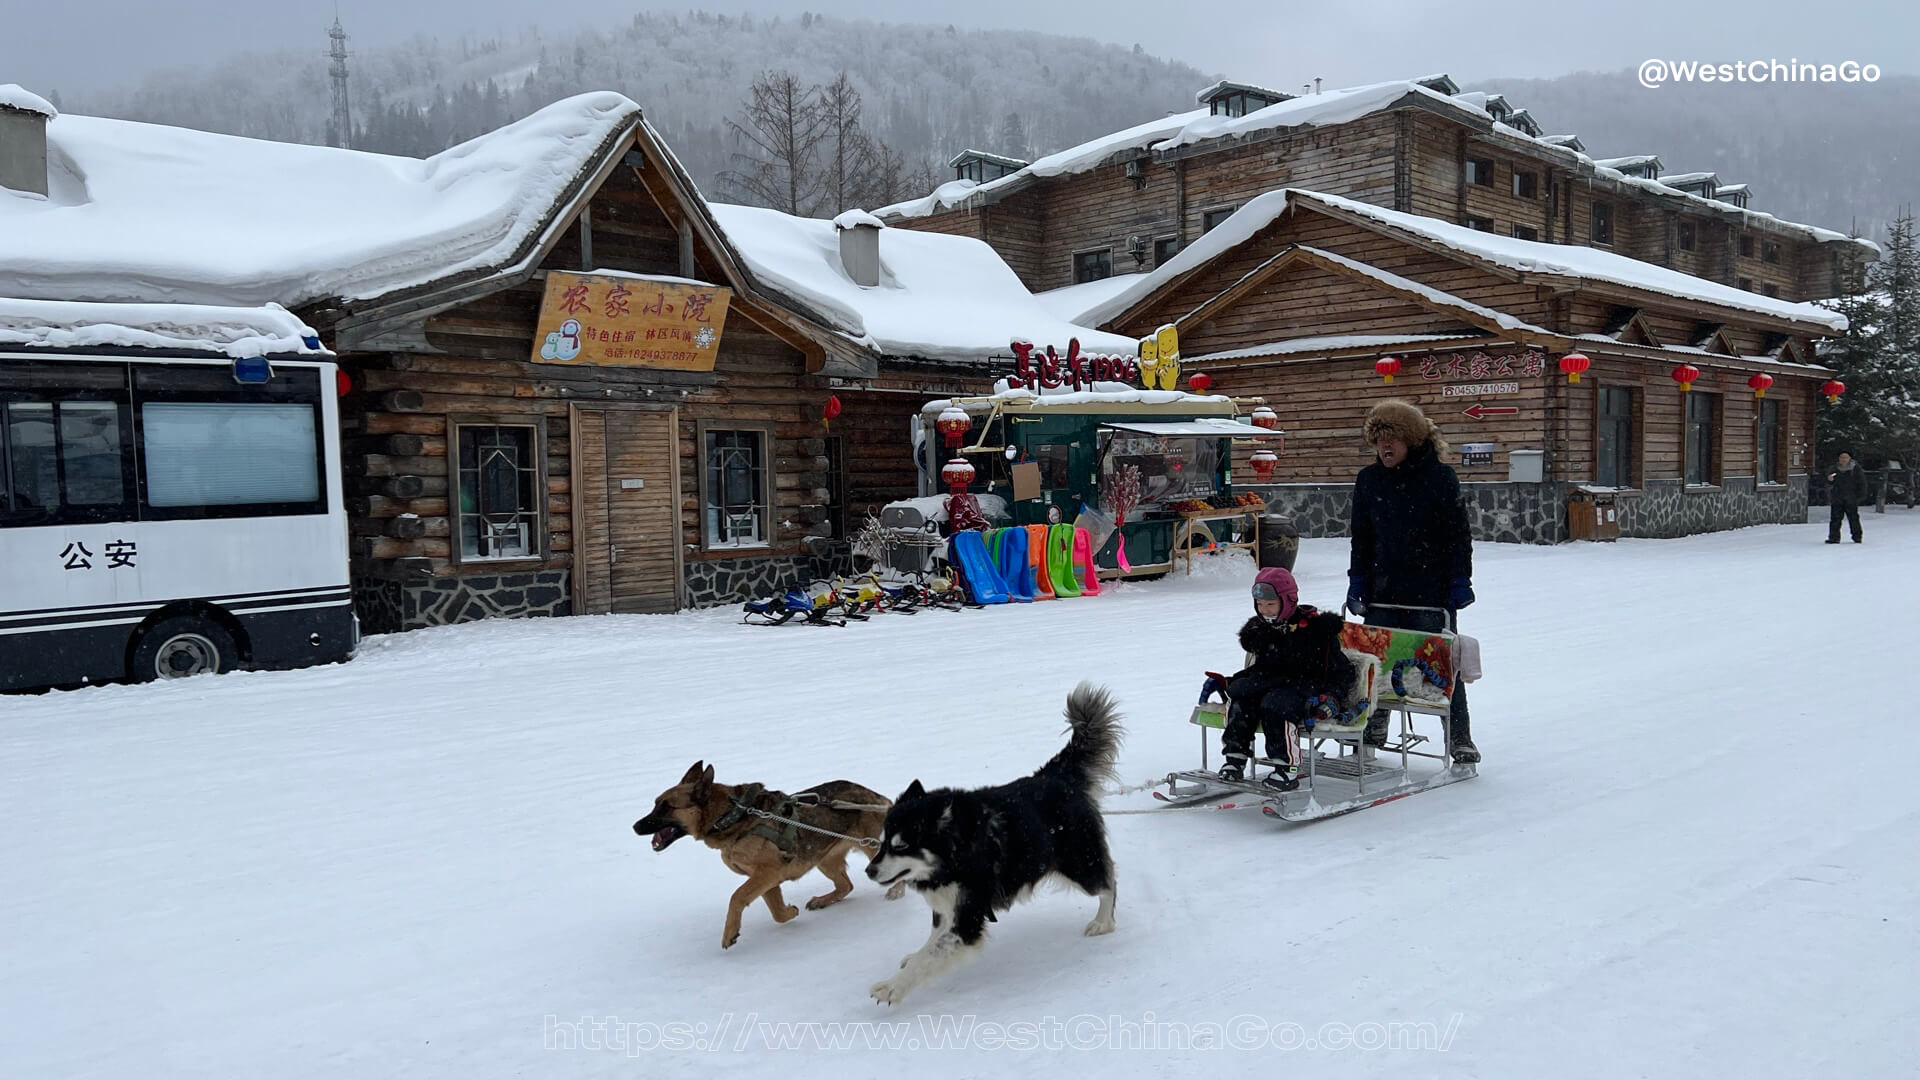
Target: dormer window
980,166
1238,99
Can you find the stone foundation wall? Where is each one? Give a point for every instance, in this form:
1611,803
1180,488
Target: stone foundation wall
387,606
1536,513
734,581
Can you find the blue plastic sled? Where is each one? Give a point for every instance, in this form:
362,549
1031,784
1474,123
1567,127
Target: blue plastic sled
969,552
1015,564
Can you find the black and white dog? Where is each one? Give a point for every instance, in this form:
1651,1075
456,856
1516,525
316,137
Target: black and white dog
974,853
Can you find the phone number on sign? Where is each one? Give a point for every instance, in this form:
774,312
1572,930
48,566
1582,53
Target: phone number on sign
1473,389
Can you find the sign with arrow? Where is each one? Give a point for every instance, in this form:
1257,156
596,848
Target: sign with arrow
1477,411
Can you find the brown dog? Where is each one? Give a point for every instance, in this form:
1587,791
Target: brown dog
769,851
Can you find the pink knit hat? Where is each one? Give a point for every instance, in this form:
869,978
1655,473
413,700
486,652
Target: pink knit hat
1282,586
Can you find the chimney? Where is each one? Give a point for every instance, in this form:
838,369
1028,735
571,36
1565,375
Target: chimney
859,246
23,139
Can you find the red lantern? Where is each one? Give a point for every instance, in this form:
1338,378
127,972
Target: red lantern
1263,462
1685,375
953,424
342,382
1388,367
1760,380
1264,417
958,474
1833,388
831,412
1199,380
1572,364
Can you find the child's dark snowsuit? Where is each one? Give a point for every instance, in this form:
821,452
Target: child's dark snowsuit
1293,659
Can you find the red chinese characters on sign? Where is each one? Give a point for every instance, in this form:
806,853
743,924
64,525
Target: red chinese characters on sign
1478,365
1049,370
629,321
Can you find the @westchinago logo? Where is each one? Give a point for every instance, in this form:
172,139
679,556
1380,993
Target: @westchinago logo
1656,73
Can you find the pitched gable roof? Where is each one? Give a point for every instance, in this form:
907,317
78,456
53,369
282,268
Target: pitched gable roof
140,212
1514,259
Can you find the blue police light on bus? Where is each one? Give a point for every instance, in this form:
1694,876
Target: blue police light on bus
252,371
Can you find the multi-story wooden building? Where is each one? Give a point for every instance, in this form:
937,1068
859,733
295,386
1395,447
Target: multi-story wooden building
1129,201
1446,230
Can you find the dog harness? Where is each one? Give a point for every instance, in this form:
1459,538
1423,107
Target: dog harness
780,825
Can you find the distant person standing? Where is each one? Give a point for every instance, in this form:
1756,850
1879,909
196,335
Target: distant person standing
1412,546
1846,490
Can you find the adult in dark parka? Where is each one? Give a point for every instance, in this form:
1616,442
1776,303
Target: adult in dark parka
1847,489
1411,542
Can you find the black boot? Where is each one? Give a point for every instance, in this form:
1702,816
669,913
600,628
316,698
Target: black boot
1464,752
1280,780
1234,771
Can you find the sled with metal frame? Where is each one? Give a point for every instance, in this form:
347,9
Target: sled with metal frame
1403,673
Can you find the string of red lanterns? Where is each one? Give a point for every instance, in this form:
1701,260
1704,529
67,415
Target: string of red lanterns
1264,462
953,424
1264,417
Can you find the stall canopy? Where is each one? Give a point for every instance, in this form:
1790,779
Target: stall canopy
1216,426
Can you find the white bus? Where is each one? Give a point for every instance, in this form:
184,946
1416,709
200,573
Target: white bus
160,517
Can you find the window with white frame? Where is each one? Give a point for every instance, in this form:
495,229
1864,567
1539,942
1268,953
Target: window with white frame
500,491
736,493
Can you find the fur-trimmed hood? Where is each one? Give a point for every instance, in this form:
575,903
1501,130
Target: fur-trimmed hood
1404,420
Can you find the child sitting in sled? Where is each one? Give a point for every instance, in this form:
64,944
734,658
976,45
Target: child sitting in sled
1295,657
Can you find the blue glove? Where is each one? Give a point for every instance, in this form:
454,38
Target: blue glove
1357,593
1460,594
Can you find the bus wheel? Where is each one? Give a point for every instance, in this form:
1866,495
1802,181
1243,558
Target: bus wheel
181,646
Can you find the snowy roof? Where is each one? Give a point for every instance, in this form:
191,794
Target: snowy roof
1170,132
985,155
940,296
1676,179
231,331
1527,256
1072,302
1321,345
1732,189
1626,162
1331,107
17,97
144,212
1227,86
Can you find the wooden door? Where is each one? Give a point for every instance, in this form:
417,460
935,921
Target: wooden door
627,510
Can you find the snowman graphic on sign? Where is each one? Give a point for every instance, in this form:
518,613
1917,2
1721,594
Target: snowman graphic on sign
564,343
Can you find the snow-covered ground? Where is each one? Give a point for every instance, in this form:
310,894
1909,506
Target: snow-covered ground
1690,852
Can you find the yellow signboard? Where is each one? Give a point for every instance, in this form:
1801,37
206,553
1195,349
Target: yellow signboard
619,321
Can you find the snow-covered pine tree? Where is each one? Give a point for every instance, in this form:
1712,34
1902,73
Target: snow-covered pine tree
1878,419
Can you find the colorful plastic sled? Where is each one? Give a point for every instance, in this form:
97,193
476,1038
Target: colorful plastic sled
968,550
1060,561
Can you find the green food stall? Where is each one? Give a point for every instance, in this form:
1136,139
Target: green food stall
1156,463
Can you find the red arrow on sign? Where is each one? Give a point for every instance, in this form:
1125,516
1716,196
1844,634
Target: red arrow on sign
1477,411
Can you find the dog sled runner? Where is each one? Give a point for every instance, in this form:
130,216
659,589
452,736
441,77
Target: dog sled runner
1406,682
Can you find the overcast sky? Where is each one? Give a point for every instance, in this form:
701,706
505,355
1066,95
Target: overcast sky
117,42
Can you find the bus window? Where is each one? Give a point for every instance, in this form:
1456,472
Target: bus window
207,453
62,454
